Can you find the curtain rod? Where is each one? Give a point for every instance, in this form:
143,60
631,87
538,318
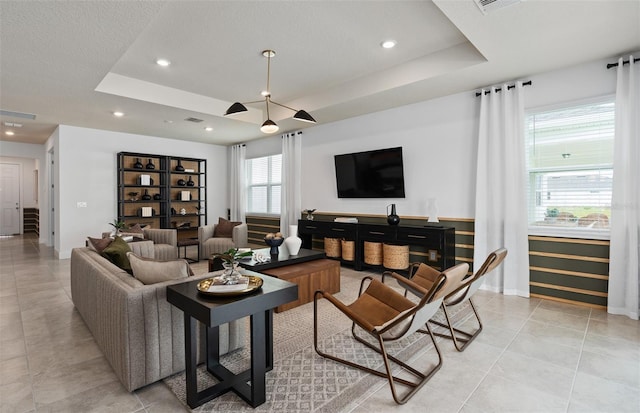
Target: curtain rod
624,62
528,83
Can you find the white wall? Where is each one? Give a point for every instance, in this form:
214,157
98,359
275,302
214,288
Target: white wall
87,161
439,140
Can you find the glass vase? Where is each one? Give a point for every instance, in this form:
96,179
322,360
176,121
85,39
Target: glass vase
231,275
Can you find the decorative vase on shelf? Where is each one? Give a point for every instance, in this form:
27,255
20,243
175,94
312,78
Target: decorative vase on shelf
182,182
146,196
138,164
190,182
150,165
392,218
293,242
157,197
179,167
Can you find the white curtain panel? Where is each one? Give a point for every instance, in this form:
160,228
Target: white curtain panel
624,266
237,190
291,200
501,204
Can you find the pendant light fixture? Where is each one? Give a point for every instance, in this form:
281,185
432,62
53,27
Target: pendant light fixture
269,126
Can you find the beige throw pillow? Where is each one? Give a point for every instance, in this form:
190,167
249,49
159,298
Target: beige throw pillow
150,271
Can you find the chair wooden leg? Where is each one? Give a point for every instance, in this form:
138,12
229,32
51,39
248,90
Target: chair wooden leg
461,339
422,377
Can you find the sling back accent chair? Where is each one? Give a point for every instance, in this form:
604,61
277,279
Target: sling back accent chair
423,275
389,316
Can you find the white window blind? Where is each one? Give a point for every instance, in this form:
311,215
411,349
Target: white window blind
264,176
570,166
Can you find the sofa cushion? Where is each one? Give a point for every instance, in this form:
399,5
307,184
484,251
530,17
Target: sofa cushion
99,244
116,252
150,271
224,229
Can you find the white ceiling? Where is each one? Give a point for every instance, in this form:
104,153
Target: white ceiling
75,63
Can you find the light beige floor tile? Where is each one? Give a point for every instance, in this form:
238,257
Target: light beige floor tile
11,326
9,304
107,398
618,370
601,395
560,319
613,347
502,320
61,382
616,326
565,308
543,376
498,394
12,348
12,369
544,348
16,396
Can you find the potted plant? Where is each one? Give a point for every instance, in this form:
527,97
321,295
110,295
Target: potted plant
118,226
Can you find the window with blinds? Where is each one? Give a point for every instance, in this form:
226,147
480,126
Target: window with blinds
264,177
569,155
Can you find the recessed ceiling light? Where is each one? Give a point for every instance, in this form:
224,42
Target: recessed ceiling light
208,128
388,44
118,114
9,132
163,62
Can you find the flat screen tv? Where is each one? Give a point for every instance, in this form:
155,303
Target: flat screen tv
370,174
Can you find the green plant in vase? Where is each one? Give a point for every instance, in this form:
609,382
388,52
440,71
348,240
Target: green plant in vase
118,226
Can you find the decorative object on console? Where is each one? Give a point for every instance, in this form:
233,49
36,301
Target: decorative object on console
293,242
146,196
138,164
230,260
179,167
392,218
309,213
190,182
274,241
346,220
269,126
432,210
150,164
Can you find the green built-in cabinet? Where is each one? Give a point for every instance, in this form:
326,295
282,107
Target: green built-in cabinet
162,192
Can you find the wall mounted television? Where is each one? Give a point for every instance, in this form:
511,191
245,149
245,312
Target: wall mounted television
371,174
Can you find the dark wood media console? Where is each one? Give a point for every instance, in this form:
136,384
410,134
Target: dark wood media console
438,241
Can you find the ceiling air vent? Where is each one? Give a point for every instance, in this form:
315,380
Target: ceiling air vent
12,114
194,120
488,6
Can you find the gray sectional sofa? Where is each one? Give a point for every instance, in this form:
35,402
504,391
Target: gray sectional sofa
139,332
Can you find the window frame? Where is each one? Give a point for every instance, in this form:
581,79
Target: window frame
268,185
558,231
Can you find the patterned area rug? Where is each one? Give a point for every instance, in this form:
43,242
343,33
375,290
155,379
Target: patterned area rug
301,380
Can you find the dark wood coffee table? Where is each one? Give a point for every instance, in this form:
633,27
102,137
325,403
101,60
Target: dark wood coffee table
215,311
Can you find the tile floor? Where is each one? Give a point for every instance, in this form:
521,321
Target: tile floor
533,355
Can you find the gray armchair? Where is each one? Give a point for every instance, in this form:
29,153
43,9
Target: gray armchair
165,242
212,245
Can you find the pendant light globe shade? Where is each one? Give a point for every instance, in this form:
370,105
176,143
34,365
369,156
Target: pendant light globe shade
269,126
235,108
304,116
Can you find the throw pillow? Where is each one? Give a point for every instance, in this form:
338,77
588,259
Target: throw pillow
99,244
224,229
116,252
150,271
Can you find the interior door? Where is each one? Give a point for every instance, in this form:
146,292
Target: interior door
9,199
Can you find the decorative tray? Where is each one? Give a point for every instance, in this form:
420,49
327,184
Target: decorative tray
209,286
